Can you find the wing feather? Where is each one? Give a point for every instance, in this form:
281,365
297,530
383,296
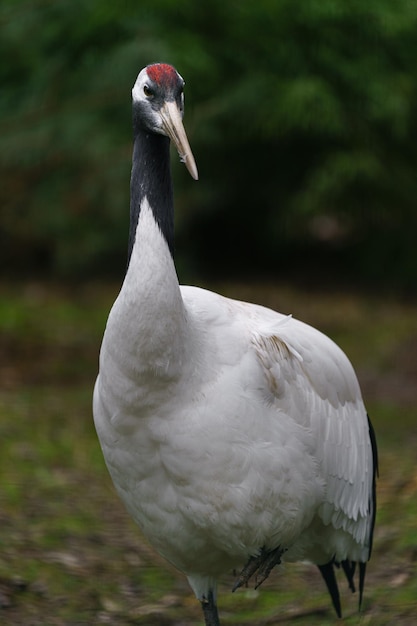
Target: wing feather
314,382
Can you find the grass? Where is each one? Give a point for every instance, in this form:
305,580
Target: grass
70,555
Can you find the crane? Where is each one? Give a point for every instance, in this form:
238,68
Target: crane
236,436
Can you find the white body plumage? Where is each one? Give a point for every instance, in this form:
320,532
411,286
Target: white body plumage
227,427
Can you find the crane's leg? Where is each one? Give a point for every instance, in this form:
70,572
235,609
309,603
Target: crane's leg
211,616
260,565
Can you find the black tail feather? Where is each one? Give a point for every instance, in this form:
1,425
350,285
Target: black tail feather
362,571
349,568
327,571
376,473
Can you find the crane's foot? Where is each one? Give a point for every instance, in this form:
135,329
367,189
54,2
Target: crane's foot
260,566
211,616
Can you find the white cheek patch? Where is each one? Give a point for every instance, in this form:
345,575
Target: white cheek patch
138,95
137,91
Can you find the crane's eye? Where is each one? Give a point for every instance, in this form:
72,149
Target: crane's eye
147,91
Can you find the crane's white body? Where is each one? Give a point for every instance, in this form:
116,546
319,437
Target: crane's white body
228,427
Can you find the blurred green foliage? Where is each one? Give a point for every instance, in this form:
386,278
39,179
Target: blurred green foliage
302,117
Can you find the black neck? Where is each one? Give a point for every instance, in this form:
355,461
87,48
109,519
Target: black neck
151,177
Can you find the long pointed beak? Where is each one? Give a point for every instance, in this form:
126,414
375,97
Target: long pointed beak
173,126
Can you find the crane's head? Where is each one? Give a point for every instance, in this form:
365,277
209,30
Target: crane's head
158,98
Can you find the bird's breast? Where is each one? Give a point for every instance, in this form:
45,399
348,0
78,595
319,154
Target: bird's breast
218,458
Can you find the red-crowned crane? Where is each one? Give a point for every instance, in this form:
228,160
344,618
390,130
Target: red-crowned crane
235,436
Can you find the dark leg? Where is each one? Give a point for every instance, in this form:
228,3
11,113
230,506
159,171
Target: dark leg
260,565
211,616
